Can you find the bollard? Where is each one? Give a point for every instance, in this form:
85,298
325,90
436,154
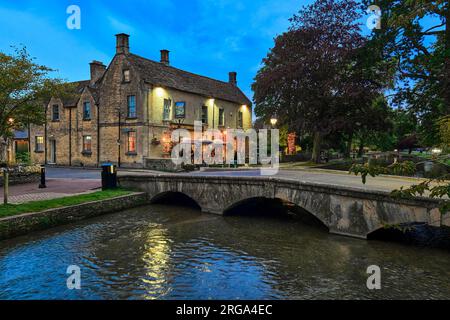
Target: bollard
5,185
42,184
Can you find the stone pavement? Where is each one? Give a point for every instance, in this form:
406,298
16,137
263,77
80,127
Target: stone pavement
56,188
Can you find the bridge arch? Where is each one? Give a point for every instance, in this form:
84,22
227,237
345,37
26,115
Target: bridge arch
171,197
264,206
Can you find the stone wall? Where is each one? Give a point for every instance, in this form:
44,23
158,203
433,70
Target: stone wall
25,223
21,178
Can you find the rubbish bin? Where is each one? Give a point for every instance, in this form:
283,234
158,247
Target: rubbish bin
109,176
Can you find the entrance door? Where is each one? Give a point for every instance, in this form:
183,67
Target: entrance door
53,151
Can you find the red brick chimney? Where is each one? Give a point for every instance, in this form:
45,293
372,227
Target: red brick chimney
122,43
165,57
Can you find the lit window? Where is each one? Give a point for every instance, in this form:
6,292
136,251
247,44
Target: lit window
132,142
87,143
166,109
39,144
131,106
86,111
205,114
126,75
221,117
55,113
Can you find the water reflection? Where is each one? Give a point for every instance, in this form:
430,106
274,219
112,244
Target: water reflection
161,252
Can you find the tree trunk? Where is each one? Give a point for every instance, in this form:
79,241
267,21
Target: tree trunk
348,149
316,147
361,147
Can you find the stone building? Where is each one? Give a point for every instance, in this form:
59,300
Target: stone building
126,111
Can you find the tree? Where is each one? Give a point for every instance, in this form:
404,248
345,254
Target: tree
415,34
313,78
24,89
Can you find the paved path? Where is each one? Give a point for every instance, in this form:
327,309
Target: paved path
328,177
56,188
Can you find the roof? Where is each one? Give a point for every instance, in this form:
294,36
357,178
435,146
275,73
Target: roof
79,87
160,74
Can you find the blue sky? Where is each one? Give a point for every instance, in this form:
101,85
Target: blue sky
209,37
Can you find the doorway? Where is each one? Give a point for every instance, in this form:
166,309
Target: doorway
53,151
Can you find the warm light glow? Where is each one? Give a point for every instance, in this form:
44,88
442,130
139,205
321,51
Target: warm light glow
159,92
11,120
436,151
273,121
211,101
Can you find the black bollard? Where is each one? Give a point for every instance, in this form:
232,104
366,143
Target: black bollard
42,184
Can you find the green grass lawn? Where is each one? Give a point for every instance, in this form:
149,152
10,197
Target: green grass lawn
36,206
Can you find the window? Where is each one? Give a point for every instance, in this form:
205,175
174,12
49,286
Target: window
39,144
221,117
166,109
240,120
126,75
205,114
55,112
87,144
132,142
131,106
86,111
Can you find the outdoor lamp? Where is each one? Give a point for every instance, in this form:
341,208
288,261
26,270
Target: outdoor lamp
273,121
436,151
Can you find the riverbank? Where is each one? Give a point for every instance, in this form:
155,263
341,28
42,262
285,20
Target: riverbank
21,219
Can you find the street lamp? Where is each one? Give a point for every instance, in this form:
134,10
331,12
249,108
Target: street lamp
273,121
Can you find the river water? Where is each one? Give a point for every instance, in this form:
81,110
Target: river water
165,252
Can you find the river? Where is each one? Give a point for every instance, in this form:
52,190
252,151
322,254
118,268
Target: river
165,252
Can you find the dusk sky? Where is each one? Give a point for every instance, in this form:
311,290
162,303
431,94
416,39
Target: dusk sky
206,37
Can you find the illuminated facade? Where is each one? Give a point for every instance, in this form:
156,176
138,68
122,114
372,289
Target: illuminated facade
126,112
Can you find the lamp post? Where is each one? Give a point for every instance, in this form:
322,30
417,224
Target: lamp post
273,121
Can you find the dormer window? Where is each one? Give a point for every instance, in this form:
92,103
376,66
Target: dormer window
126,75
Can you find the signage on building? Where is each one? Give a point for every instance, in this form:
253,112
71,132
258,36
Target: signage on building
180,110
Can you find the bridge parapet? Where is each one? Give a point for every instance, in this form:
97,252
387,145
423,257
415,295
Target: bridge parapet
344,210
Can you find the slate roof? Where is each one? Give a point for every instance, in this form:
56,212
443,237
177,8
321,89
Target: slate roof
157,73
79,87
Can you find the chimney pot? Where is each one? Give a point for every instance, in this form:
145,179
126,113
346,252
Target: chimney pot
233,78
165,57
122,43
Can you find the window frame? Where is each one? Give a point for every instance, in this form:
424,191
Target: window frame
221,115
87,151
84,111
240,119
36,144
131,134
204,115
56,107
126,76
169,109
129,114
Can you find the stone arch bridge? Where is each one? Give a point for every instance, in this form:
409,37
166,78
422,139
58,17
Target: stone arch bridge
346,211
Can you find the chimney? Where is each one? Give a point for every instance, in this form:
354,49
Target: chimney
97,70
232,78
122,43
165,57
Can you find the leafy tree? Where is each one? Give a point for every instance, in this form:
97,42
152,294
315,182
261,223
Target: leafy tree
421,52
24,90
315,78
